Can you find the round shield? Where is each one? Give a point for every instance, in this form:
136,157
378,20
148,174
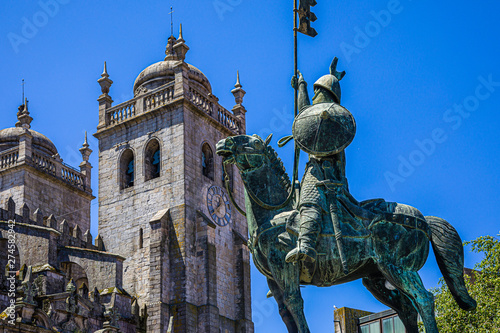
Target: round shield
324,129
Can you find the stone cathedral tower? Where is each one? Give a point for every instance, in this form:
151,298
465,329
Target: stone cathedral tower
162,205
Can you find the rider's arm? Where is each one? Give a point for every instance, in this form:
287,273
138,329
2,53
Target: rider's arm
301,84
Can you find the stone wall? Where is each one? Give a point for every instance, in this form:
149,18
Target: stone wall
43,191
123,212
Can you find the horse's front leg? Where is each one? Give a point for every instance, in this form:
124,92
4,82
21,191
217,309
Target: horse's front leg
286,275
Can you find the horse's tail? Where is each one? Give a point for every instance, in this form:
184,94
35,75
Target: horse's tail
449,253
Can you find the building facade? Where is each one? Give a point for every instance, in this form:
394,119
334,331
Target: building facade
171,254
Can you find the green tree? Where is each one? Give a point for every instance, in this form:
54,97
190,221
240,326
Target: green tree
484,286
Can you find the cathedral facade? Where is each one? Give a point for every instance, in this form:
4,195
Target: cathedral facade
171,254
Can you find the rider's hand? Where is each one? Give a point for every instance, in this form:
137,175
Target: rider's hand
296,82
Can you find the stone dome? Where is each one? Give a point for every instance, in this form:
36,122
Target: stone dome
162,73
9,138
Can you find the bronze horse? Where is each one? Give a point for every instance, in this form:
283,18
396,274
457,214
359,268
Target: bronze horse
387,260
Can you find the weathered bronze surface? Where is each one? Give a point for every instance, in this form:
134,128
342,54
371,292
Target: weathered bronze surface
325,236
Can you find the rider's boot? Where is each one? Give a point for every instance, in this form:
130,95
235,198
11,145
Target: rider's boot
309,230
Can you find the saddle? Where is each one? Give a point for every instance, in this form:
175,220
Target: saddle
368,213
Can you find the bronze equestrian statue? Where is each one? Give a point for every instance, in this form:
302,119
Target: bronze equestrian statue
325,236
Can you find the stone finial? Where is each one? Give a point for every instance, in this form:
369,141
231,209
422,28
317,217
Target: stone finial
77,232
22,272
38,217
10,207
99,243
104,81
71,303
87,238
238,92
23,116
64,227
180,47
135,310
180,39
111,314
28,288
85,150
51,222
96,296
26,213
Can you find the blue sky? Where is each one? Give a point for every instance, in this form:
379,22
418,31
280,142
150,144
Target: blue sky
423,82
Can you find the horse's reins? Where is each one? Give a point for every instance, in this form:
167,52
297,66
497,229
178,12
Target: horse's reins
254,197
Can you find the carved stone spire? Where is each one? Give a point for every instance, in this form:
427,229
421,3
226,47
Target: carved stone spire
238,92
180,47
104,81
180,39
23,116
239,110
85,150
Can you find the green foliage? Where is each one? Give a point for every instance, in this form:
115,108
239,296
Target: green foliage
483,286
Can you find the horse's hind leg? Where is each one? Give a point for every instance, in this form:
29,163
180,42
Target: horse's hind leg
286,316
395,300
411,285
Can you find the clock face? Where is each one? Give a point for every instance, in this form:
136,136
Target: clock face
218,205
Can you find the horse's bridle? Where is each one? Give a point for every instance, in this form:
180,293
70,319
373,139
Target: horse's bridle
254,197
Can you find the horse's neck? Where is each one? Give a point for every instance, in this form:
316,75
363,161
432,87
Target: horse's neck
265,185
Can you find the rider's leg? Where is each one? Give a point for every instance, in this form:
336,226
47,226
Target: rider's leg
310,216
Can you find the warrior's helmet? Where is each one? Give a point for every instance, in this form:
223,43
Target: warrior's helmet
330,81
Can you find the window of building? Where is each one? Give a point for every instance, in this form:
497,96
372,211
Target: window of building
386,325
207,161
127,169
152,160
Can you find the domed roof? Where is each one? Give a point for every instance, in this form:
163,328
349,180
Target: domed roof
162,72
9,138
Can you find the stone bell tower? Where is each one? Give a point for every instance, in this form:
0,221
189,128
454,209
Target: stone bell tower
162,203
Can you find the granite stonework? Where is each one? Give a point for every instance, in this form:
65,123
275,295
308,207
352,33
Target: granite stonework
191,274
160,263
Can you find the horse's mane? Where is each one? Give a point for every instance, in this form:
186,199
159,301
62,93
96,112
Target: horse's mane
278,168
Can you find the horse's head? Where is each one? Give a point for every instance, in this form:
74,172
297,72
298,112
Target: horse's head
247,152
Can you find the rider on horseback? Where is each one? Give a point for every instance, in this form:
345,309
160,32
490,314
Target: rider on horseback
332,128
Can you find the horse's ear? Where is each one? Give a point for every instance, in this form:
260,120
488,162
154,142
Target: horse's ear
256,136
268,139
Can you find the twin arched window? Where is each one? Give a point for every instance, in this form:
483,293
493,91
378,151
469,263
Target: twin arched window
152,164
207,161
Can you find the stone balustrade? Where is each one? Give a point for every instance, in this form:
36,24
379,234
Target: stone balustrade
121,112
9,158
163,96
72,176
200,101
158,98
227,119
45,163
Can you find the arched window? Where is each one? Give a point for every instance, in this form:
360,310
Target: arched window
127,169
152,160
207,161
